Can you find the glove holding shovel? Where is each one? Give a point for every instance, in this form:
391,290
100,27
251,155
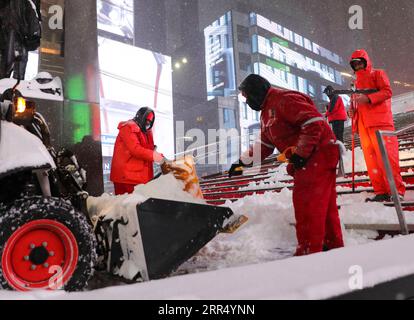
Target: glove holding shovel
295,162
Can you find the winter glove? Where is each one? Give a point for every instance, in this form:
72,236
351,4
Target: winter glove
297,161
236,169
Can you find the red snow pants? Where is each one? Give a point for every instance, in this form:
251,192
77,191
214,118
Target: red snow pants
373,160
122,188
314,199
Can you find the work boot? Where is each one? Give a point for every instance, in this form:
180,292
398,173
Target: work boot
379,198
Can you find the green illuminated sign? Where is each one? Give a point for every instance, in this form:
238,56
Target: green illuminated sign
282,42
277,65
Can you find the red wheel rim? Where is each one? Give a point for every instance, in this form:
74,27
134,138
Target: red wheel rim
42,254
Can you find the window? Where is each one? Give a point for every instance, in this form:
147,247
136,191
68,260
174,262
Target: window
229,118
255,44
245,111
245,61
316,49
243,34
299,40
308,44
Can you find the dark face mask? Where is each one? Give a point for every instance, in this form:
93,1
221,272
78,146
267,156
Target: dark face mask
254,104
255,88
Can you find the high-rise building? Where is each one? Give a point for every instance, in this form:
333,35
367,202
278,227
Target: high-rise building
238,44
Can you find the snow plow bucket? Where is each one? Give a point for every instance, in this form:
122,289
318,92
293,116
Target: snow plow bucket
160,235
173,232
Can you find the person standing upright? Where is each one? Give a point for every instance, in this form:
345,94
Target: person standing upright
336,113
374,113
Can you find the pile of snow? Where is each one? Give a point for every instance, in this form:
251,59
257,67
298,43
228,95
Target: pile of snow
354,210
270,233
15,146
267,236
115,207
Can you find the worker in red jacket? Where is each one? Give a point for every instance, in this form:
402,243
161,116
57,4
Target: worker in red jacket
134,153
290,119
374,113
336,113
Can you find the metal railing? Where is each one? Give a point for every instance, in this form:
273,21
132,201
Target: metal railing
390,176
212,148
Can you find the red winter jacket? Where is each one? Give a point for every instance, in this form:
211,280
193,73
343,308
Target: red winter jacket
338,112
132,162
290,118
378,113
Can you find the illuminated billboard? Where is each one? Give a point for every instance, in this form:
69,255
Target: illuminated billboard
132,78
278,51
116,17
285,33
220,69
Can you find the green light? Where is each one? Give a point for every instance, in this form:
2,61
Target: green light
277,65
282,42
81,118
79,111
76,88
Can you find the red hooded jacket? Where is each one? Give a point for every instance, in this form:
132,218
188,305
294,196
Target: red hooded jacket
378,113
133,158
338,113
290,118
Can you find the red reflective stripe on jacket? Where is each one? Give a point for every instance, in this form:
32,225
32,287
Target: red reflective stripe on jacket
338,113
132,162
378,113
283,117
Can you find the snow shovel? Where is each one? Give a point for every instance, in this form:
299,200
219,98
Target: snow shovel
354,130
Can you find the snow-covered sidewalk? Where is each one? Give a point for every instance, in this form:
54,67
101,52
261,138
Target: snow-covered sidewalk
319,276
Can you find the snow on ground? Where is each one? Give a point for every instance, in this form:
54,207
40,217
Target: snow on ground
318,276
256,262
250,258
270,235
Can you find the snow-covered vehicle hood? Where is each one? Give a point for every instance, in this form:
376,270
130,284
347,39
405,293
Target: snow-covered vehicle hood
19,150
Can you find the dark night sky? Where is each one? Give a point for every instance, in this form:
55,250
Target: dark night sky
391,26
388,33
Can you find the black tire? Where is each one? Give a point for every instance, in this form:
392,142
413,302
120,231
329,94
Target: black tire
30,209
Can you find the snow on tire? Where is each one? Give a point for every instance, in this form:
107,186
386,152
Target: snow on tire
45,244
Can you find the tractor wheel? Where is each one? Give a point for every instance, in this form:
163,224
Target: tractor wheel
45,244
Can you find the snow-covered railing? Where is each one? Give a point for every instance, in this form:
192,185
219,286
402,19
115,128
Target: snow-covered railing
390,176
213,149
